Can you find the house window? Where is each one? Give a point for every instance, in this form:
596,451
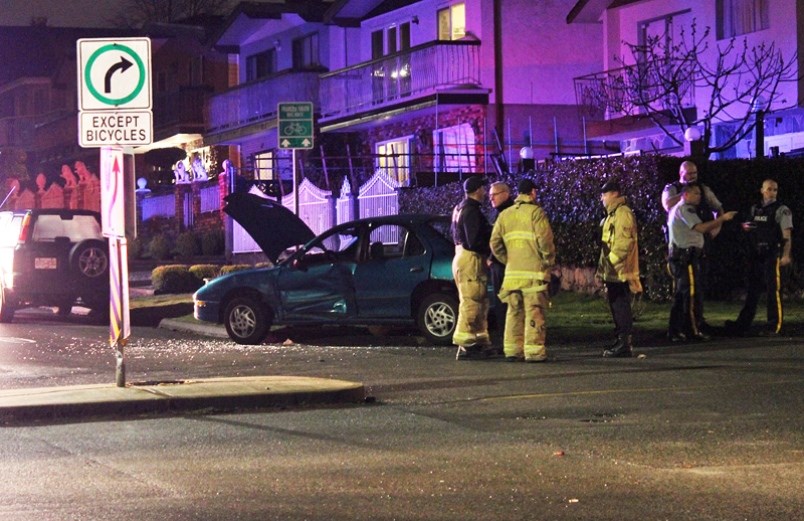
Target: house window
455,149
264,166
393,159
665,30
305,52
260,65
452,22
736,17
196,71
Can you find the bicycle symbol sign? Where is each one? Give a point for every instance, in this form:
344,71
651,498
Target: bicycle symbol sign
295,125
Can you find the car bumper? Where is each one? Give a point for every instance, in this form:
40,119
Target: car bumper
206,311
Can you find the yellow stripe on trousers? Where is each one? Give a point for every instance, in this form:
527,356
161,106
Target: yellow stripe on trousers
778,296
691,273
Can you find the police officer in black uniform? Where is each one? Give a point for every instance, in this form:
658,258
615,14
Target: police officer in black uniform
768,229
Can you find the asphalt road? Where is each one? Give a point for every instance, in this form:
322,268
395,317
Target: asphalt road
696,432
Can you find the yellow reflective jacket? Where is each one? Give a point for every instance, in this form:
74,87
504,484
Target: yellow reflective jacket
619,255
522,239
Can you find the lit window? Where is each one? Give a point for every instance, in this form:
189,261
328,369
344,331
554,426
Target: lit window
452,22
264,166
736,17
455,149
393,159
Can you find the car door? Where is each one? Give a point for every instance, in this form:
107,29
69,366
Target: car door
317,284
393,263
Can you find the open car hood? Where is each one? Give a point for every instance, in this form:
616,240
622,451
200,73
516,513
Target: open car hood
272,226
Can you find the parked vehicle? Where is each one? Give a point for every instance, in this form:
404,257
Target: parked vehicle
391,270
53,257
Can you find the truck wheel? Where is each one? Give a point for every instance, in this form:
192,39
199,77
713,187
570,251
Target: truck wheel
247,321
437,316
90,259
6,309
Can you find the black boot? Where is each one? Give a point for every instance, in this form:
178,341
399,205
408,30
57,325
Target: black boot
621,349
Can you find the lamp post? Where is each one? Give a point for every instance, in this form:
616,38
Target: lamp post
693,145
758,108
526,155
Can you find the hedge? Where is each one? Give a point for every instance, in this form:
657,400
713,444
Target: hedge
569,194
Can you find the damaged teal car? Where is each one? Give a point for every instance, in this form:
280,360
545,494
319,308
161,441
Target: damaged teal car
391,271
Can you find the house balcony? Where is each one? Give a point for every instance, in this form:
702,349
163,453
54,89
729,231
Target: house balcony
401,79
636,90
180,112
251,107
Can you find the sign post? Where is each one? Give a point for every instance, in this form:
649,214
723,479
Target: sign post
294,131
114,103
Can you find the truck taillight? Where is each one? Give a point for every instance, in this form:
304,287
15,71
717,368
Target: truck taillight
26,225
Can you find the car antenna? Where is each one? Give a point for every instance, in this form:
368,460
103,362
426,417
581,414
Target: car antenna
7,196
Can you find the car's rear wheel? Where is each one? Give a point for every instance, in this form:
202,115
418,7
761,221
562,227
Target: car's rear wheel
90,259
437,316
6,309
247,321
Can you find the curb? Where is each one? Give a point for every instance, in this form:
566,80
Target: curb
19,406
212,330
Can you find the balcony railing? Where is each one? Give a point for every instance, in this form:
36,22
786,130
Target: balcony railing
256,101
422,70
636,89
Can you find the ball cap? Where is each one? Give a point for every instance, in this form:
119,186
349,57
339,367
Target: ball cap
473,183
525,186
610,186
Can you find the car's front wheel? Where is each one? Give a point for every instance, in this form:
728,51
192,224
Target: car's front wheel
437,316
247,321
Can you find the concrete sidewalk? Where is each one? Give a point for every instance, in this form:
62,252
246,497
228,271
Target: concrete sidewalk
79,402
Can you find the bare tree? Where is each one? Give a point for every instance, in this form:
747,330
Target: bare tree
136,13
738,82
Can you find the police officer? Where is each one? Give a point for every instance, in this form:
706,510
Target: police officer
708,208
522,239
470,233
500,197
769,235
685,251
618,266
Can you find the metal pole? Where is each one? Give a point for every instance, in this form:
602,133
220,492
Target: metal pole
295,186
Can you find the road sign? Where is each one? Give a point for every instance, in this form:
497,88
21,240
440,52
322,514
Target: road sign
114,73
113,221
100,128
295,124
114,92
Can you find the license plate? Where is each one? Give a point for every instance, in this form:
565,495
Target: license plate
45,263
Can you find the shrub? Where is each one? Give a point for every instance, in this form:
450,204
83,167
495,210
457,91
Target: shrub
213,242
205,271
134,248
174,278
187,245
229,268
159,247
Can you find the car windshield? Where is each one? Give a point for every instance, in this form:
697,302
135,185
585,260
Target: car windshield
341,243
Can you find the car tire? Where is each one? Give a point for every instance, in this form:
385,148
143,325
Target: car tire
90,259
247,321
437,316
6,309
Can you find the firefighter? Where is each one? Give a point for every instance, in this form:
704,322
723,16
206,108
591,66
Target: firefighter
522,239
769,235
470,233
684,257
618,266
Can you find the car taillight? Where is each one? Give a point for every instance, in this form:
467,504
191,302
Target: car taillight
26,224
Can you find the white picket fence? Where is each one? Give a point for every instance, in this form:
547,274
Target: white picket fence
320,210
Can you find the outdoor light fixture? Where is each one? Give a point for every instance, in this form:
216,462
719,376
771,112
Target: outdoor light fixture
526,153
415,20
278,45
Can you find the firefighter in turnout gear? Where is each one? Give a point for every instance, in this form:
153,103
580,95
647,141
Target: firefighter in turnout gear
769,235
522,239
618,266
470,233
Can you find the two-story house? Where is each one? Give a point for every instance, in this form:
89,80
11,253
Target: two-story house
779,121
407,87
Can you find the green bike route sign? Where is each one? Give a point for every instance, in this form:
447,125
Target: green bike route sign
295,124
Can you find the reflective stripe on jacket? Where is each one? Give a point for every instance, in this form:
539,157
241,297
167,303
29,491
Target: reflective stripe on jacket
619,256
522,239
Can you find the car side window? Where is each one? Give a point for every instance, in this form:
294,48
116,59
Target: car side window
393,241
